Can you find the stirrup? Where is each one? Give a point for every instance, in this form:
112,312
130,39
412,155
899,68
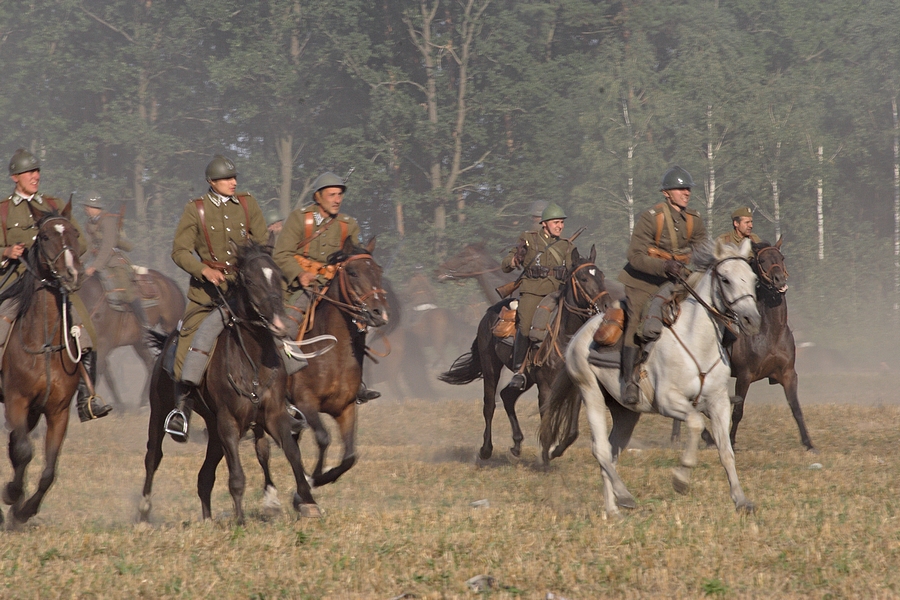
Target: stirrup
300,423
87,412
179,435
518,382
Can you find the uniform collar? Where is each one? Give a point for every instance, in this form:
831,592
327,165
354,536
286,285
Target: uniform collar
17,198
219,199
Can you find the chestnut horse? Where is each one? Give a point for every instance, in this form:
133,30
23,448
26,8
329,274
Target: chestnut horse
583,294
117,328
243,388
40,366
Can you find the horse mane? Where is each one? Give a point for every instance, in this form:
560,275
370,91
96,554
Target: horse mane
248,251
704,254
25,286
340,256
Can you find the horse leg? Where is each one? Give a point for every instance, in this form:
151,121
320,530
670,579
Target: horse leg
490,369
741,387
154,455
229,436
347,424
271,504
148,359
323,439
681,476
20,449
675,438
206,478
57,422
280,429
719,415
624,422
615,494
571,435
509,397
789,383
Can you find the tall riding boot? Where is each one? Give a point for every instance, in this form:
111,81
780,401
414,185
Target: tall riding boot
90,406
521,343
632,393
178,421
364,394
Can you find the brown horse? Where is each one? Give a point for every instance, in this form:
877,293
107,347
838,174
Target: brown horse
244,388
771,352
39,374
474,261
584,294
353,302
118,328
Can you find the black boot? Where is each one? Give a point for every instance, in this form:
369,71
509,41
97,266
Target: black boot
364,394
178,420
632,393
90,406
521,343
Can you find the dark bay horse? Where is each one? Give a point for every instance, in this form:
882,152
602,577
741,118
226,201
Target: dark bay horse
474,261
353,302
244,387
770,353
116,328
583,294
39,373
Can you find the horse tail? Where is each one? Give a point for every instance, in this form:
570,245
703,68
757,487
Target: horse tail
465,369
565,393
561,406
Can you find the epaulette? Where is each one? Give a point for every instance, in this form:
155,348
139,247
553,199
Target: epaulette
691,211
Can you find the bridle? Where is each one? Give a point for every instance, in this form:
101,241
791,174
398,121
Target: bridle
591,303
352,303
765,276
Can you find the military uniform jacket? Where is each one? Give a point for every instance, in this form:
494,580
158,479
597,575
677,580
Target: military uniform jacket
225,221
290,242
648,272
541,250
105,241
733,237
20,229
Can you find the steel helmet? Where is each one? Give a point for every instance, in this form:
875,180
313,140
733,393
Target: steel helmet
328,179
220,168
537,208
676,178
92,199
553,211
22,162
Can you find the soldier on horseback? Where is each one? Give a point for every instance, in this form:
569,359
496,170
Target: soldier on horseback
107,254
309,236
201,247
742,227
660,250
18,227
544,258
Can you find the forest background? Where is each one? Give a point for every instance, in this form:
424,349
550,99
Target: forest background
457,114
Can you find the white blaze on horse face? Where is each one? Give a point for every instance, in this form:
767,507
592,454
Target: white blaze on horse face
592,272
267,271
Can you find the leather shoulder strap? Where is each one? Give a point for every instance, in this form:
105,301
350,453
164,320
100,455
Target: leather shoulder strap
660,217
4,215
202,214
242,199
690,226
670,223
345,229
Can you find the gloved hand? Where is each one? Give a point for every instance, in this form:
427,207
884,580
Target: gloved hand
676,270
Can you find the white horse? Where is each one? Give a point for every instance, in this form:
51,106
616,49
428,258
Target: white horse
686,374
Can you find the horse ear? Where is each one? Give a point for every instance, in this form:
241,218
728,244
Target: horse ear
593,256
370,246
576,256
778,243
36,213
67,211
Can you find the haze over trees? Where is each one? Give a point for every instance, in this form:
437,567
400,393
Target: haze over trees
458,114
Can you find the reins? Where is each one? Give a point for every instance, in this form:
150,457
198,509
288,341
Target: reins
765,275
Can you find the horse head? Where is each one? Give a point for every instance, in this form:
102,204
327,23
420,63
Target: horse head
471,261
585,287
733,282
768,263
359,283
56,247
259,285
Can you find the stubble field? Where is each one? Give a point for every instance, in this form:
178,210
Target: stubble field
402,523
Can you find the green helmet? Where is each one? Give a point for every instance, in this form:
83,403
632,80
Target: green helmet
537,208
273,215
22,162
553,211
327,179
220,168
92,199
676,178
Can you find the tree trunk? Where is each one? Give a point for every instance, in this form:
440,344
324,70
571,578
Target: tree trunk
896,207
285,150
629,168
710,169
820,218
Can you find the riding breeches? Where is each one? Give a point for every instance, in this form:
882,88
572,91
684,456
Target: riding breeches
200,327
635,300
528,304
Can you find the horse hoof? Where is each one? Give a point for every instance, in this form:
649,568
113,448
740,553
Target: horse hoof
271,504
626,502
680,482
485,454
745,507
310,511
144,509
516,451
8,497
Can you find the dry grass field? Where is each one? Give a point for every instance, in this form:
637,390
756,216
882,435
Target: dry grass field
402,523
